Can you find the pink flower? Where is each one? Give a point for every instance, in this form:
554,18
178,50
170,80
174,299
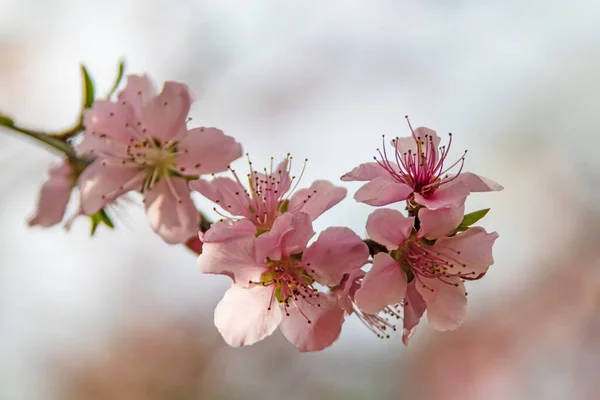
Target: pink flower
416,272
417,171
142,143
269,195
54,196
274,278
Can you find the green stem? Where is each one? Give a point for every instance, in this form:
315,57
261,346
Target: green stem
52,141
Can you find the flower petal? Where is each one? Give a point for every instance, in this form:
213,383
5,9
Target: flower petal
54,196
206,151
446,301
365,172
101,183
414,307
381,191
289,234
440,222
234,258
452,194
478,183
165,115
389,227
325,323
110,120
316,199
470,252
222,231
336,252
383,285
247,315
137,92
171,211
227,193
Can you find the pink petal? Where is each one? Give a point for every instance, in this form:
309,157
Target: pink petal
171,211
440,222
100,184
282,173
206,151
470,252
165,115
383,285
389,227
111,120
336,252
406,144
247,315
446,301
54,196
325,323
414,307
289,235
365,172
93,145
318,198
138,91
234,258
478,183
348,289
381,191
452,194
227,193
225,230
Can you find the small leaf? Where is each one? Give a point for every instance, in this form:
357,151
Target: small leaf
471,218
88,88
118,79
101,217
6,121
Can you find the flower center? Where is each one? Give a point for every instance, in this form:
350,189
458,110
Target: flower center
291,282
422,168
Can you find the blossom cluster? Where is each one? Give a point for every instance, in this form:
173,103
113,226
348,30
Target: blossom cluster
283,275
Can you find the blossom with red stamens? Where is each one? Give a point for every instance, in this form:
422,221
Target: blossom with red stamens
142,143
417,171
422,275
275,277
270,193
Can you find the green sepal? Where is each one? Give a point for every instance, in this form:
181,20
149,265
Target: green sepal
120,74
101,217
471,218
6,121
89,94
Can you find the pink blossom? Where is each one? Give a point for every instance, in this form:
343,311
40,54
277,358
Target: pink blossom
274,277
417,171
270,194
54,196
142,143
415,271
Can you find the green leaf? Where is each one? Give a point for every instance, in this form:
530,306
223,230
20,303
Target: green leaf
88,88
6,121
101,217
120,74
471,218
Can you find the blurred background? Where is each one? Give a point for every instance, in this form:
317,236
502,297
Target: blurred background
125,316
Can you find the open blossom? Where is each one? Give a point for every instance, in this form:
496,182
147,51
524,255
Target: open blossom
416,170
270,194
54,196
421,276
274,280
142,143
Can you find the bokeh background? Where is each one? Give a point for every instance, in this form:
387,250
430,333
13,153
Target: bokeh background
125,316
